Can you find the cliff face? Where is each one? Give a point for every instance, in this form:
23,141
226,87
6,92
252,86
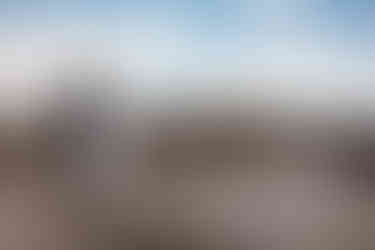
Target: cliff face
91,172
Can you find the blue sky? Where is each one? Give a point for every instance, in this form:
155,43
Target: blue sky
325,41
212,15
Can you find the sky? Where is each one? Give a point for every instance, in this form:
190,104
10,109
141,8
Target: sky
310,46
